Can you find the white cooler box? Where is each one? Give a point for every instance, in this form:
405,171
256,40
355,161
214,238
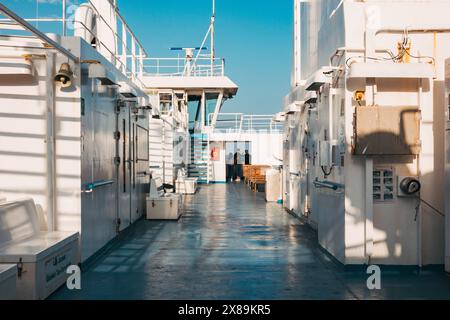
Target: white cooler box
167,207
8,275
273,186
42,258
187,186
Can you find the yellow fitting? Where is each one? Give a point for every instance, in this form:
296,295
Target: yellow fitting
360,96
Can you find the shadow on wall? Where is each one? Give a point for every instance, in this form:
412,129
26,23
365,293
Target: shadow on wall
392,137
23,145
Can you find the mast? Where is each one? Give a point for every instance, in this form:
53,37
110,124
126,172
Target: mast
213,18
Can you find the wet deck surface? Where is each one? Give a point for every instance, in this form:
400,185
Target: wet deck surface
231,244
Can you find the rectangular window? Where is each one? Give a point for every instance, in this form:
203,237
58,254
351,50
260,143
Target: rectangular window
142,144
165,103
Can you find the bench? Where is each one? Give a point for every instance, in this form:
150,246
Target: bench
162,205
246,172
8,275
42,258
257,176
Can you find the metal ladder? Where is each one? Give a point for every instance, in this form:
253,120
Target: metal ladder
199,161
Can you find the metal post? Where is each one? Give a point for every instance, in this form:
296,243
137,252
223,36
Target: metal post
64,26
141,63
223,67
213,18
203,111
297,74
124,48
133,58
50,139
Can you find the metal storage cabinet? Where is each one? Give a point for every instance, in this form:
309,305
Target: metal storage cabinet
8,275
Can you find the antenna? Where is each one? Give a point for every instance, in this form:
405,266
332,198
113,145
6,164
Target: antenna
193,53
213,19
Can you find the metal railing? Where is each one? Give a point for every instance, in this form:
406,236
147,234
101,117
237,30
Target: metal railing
26,26
178,67
127,53
238,123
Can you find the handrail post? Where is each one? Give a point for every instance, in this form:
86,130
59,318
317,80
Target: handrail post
133,58
124,48
141,63
64,26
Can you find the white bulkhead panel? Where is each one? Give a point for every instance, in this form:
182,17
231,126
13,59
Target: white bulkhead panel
447,164
361,216
156,135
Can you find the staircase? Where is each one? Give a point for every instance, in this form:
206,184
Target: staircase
199,161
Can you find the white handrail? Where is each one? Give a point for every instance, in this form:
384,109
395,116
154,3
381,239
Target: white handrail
175,67
135,53
241,123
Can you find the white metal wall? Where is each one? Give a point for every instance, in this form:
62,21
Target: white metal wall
395,234
161,149
156,136
84,148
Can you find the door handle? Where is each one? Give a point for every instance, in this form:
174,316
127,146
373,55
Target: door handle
89,188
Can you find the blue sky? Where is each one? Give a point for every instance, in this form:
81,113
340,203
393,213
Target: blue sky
254,36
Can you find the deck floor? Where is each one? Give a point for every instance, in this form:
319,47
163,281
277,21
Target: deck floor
230,244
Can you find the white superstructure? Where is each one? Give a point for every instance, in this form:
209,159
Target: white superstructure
74,123
364,153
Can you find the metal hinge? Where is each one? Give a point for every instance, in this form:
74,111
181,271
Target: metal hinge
117,135
117,161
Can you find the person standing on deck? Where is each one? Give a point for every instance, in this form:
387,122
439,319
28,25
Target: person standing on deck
238,171
248,158
230,167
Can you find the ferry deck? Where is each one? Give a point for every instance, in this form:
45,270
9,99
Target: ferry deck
232,245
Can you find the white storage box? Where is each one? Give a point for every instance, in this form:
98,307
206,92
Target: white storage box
8,275
42,258
273,186
187,186
167,207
